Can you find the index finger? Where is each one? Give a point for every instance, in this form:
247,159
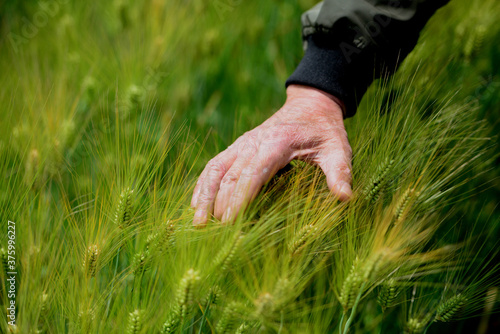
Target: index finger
208,185
261,169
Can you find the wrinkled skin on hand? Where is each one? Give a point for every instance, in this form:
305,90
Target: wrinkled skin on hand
308,127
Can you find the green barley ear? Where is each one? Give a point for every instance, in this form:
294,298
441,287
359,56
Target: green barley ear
31,168
134,322
184,302
185,295
44,310
123,215
159,242
268,305
351,286
417,325
450,308
372,265
264,305
243,329
226,255
283,292
90,260
474,42
171,325
89,87
300,239
214,296
85,319
469,47
132,100
228,319
359,274
141,262
459,37
403,203
151,240
4,258
388,294
67,133
376,184
480,32
13,329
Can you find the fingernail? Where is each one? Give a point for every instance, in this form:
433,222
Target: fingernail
200,218
227,215
344,191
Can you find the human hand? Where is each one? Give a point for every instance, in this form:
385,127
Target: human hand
308,127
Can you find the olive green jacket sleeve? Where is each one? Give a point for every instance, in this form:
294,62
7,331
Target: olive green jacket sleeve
349,43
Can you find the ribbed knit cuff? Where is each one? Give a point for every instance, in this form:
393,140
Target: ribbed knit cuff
329,69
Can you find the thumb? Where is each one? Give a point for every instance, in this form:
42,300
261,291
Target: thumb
336,164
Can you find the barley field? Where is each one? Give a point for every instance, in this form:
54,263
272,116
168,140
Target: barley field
111,109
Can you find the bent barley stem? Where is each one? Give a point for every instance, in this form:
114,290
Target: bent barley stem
353,310
341,321
211,299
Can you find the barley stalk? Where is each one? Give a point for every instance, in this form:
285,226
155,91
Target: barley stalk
13,329
480,35
85,319
264,305
243,329
372,265
300,239
228,319
159,242
450,308
213,296
89,87
134,322
123,215
66,133
388,294
376,184
5,261
225,257
44,310
351,286
185,297
283,292
359,274
90,260
418,325
31,168
403,203
171,325
141,262
469,47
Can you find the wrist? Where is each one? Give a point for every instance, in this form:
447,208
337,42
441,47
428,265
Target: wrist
317,99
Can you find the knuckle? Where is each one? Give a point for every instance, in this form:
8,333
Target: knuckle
248,136
249,147
230,178
344,169
215,166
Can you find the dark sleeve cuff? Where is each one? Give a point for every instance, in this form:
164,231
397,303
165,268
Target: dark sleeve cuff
337,70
